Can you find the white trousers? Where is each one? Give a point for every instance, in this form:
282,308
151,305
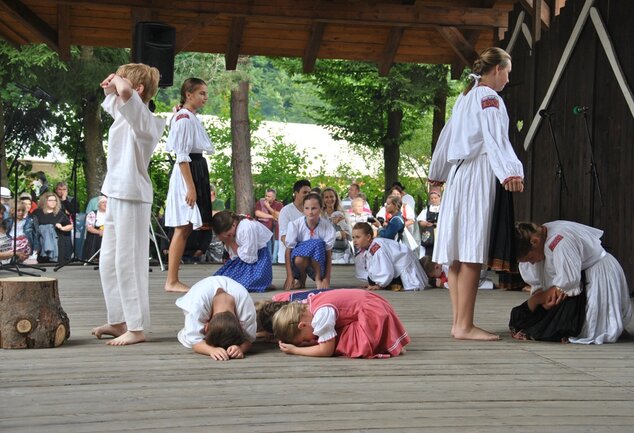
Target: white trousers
123,263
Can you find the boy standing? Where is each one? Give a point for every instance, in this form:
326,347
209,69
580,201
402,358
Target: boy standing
123,265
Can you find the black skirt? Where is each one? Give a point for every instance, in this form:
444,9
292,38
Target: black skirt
200,176
557,324
502,238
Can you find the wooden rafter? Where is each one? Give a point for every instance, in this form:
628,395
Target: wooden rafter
461,46
63,32
543,10
302,11
312,47
184,36
13,38
234,42
389,50
32,21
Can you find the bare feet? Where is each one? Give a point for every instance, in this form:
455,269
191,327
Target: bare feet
474,333
130,337
177,287
108,329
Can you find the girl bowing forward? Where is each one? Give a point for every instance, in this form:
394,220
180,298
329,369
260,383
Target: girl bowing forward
246,241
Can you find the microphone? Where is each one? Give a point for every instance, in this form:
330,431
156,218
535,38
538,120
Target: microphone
579,109
546,114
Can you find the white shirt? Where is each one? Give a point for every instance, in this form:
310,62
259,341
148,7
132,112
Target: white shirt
187,135
478,125
323,324
287,214
196,304
131,141
297,231
251,237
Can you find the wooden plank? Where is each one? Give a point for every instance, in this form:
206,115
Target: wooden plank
459,44
540,9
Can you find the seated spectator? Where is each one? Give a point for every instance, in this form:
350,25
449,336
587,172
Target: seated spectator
392,225
5,200
407,199
217,205
358,213
54,230
24,232
95,221
427,220
68,203
267,212
354,191
409,217
341,251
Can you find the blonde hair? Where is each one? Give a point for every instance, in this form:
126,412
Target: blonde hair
489,59
286,321
139,73
41,203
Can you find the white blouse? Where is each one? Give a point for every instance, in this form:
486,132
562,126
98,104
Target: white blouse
251,237
297,231
187,135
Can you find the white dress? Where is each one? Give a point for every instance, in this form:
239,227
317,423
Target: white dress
196,304
473,150
569,249
386,259
187,135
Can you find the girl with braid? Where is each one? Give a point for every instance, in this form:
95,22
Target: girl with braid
188,204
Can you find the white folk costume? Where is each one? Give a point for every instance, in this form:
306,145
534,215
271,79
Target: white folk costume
125,247
197,303
385,260
188,140
571,248
251,266
473,153
312,243
287,214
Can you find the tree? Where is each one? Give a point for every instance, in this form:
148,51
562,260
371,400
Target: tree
372,111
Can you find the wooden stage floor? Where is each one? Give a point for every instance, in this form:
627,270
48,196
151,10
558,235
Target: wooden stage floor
439,385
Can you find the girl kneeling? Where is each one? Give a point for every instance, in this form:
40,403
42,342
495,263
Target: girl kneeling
386,263
346,322
246,241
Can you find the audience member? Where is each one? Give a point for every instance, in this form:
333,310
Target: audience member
427,220
39,185
94,228
341,251
407,199
53,227
392,224
354,191
68,203
5,200
25,238
291,212
267,212
217,205
25,198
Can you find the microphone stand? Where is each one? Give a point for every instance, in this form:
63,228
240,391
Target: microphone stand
593,171
73,257
559,173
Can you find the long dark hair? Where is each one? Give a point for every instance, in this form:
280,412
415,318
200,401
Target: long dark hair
223,220
225,330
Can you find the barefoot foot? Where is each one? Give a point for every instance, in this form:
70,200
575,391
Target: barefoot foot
474,333
130,337
177,287
108,329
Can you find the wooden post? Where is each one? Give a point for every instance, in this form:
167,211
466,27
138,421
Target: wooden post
31,316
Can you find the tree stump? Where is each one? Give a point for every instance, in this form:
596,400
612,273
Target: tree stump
31,316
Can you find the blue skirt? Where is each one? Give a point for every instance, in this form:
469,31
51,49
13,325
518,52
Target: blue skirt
314,249
255,277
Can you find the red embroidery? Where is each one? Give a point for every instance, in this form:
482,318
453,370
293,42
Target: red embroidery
182,116
555,241
490,101
374,248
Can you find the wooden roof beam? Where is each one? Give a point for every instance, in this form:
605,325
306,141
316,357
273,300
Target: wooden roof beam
14,39
542,9
376,14
63,32
185,36
312,47
234,42
389,50
31,21
461,46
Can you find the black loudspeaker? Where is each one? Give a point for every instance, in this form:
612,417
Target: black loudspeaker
154,46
